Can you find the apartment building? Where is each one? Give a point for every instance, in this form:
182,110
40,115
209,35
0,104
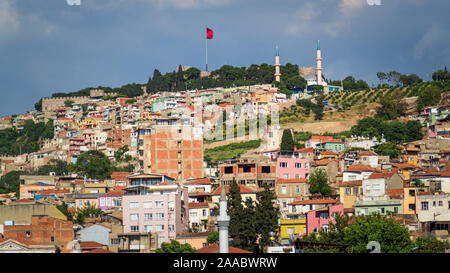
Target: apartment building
154,203
174,148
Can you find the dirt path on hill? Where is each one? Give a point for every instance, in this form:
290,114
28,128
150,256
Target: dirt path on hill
322,127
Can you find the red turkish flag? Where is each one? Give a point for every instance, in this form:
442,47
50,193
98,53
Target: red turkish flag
209,33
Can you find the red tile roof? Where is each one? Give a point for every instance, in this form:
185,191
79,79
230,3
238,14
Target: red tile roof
120,175
243,190
351,183
286,181
98,250
307,150
214,248
361,168
112,193
395,193
314,201
327,161
49,192
328,153
365,153
90,245
381,175
323,138
199,181
198,205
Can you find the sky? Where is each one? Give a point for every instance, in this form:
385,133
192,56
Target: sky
67,45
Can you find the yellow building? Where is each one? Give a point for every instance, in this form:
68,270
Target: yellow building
405,169
288,227
411,155
349,193
410,199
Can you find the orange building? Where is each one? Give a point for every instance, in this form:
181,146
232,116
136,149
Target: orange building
173,149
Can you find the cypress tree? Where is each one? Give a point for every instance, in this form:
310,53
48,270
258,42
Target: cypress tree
287,141
236,212
266,216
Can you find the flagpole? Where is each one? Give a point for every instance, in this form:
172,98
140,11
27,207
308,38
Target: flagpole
206,53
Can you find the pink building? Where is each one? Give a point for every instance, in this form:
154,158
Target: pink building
155,203
321,218
110,200
292,168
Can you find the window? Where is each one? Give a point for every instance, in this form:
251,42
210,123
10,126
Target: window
306,165
148,228
355,191
228,169
159,204
134,205
148,205
297,189
424,205
298,165
324,215
283,165
52,239
171,228
115,241
160,216
148,216
297,176
290,230
412,207
28,233
396,209
448,204
159,228
285,176
325,228
283,189
348,191
172,216
134,217
284,205
204,212
134,228
412,193
381,210
265,169
247,169
434,203
441,203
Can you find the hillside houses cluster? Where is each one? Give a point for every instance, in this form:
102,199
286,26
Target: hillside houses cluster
173,194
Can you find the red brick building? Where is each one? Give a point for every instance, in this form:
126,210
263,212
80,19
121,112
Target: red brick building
43,230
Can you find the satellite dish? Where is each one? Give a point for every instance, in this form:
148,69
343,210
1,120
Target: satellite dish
374,247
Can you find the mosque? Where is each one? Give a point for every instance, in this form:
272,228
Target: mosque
313,76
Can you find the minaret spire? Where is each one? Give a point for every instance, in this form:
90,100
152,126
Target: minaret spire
277,65
319,64
223,221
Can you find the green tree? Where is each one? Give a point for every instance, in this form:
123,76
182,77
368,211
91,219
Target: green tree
120,153
59,167
175,247
431,95
392,237
391,106
430,245
213,237
287,141
81,214
249,221
236,212
318,182
390,149
94,164
10,182
318,110
68,103
64,208
266,216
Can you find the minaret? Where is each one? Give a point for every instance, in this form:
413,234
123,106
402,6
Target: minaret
277,66
319,64
223,220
